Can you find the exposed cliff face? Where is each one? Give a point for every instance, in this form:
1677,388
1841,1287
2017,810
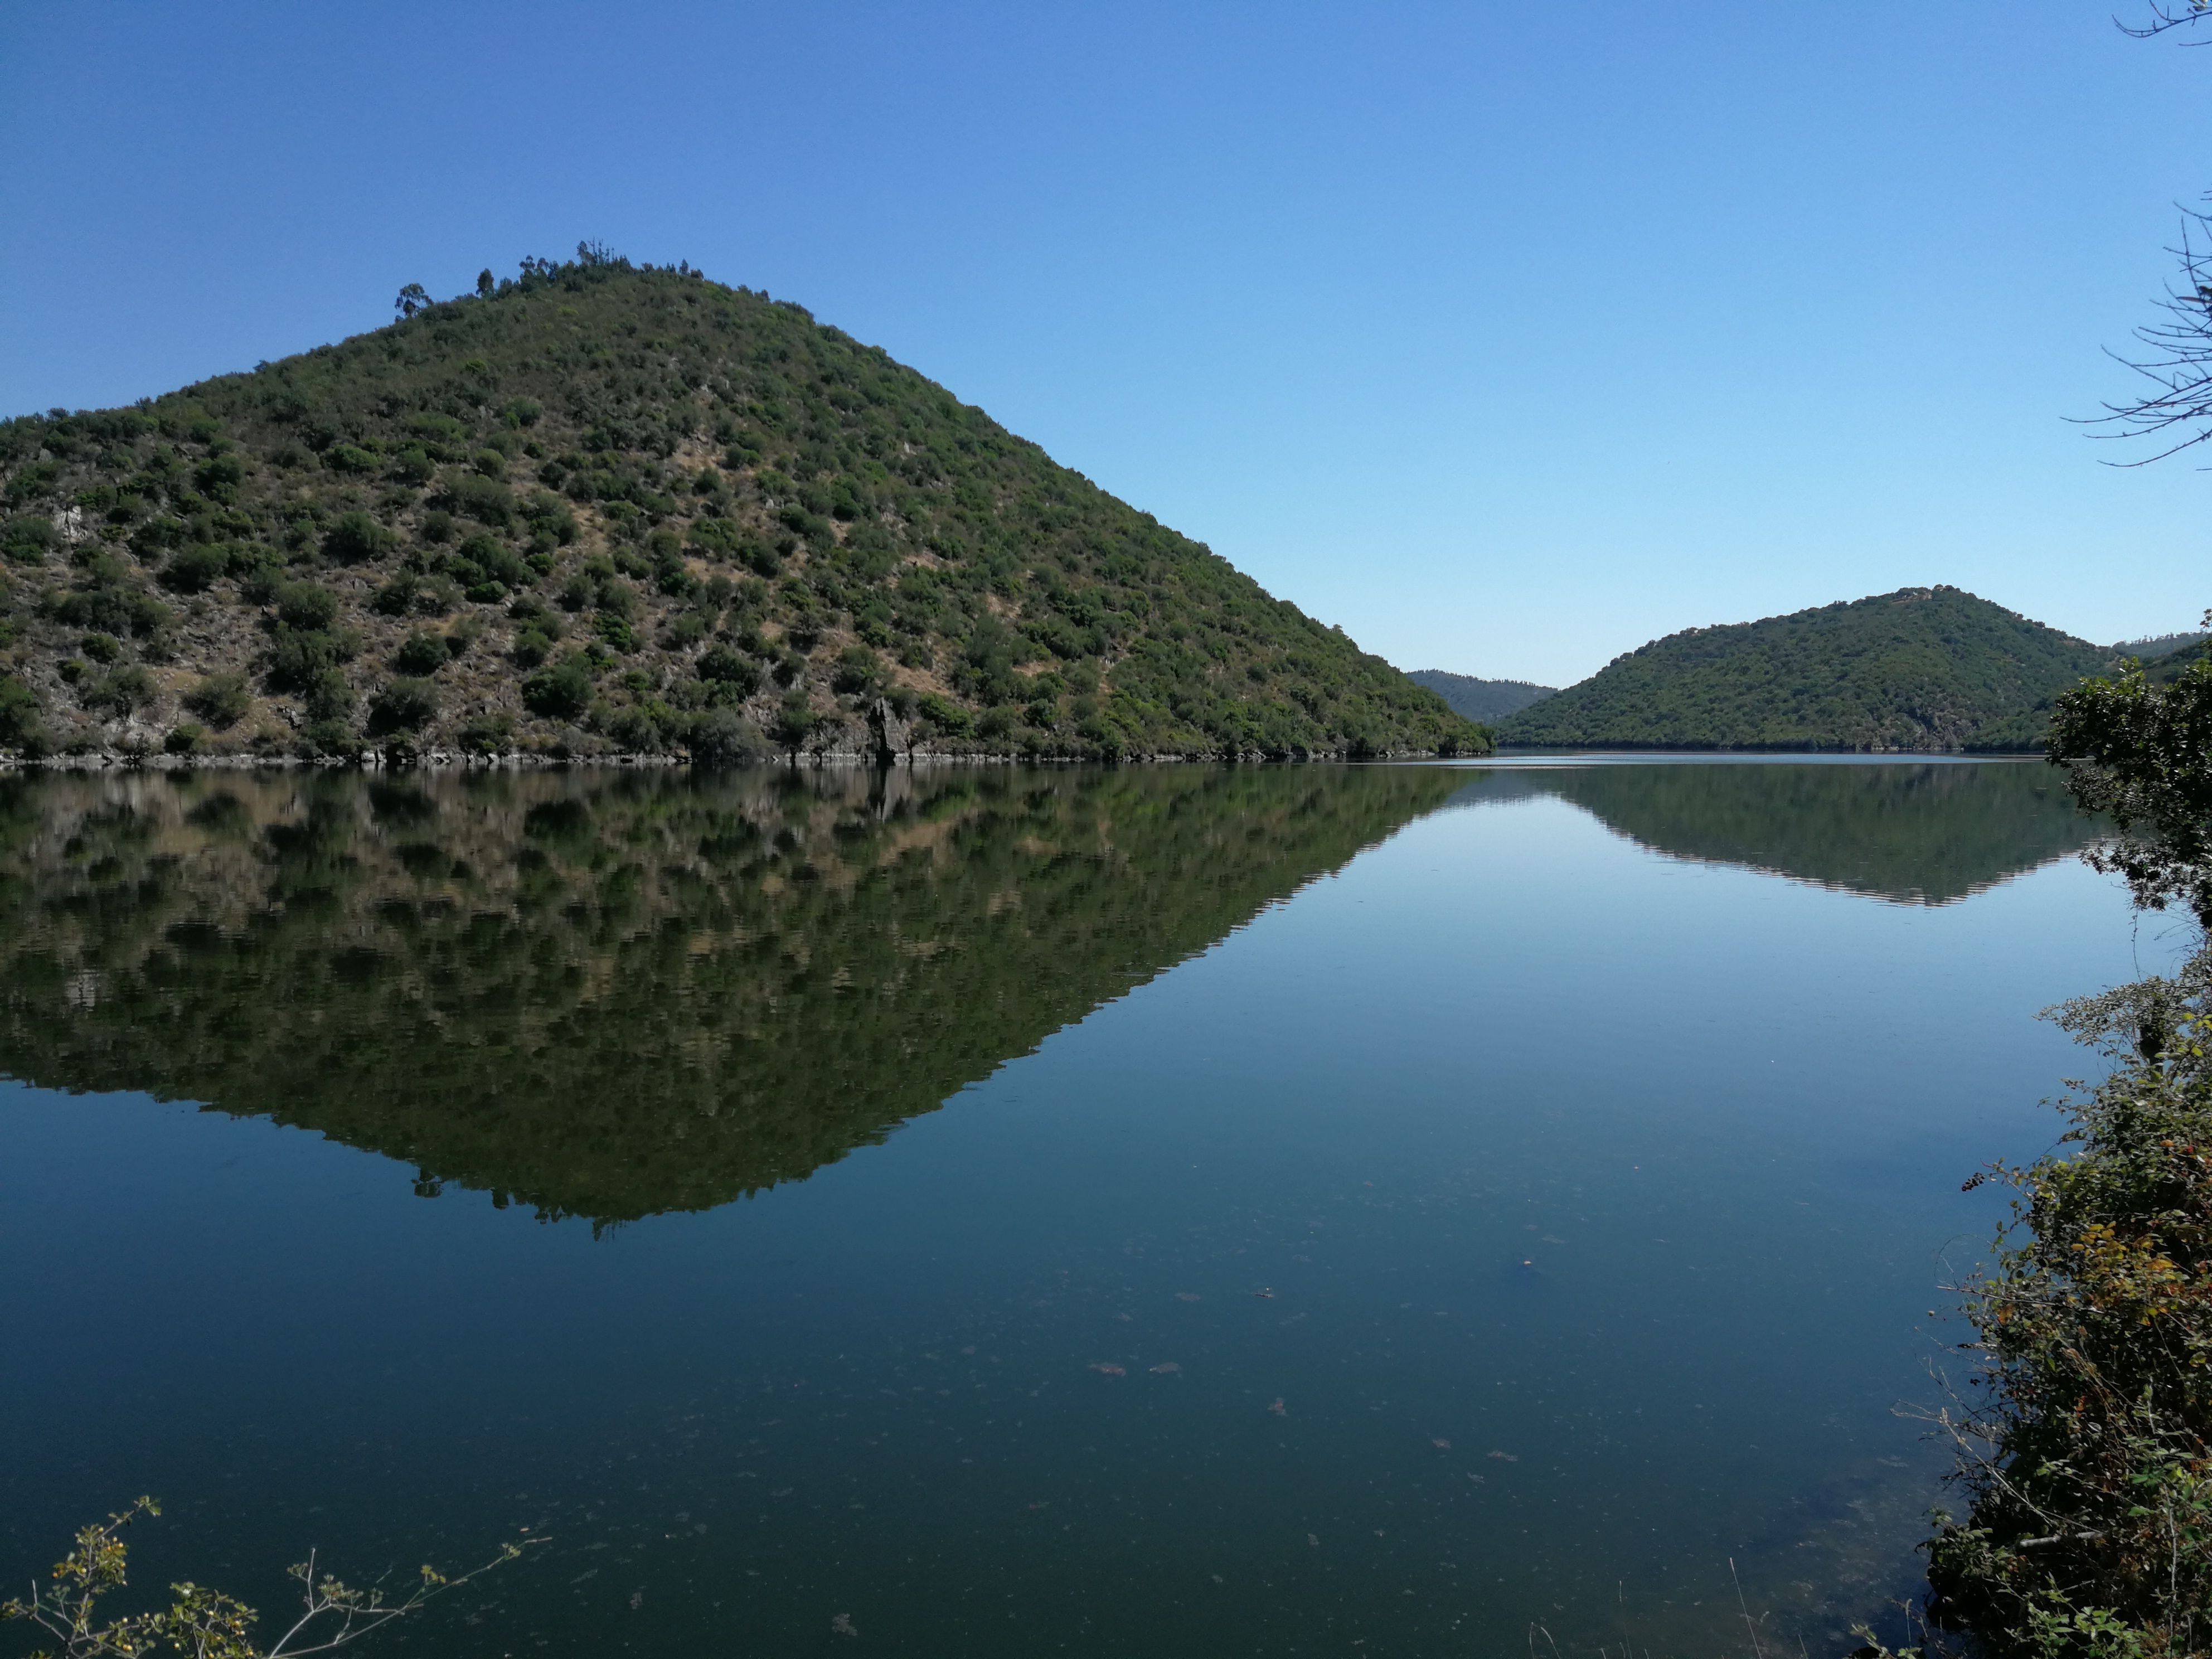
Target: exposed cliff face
608,510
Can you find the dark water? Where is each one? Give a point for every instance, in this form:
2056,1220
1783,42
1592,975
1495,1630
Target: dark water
1368,1211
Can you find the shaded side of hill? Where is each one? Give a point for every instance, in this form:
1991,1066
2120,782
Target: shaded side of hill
612,993
600,508
1485,701
1929,670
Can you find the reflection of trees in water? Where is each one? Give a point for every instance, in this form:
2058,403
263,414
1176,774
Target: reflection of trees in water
609,995
1915,834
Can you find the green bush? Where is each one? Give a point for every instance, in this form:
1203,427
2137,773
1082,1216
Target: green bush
297,656
795,722
551,524
257,569
485,734
331,736
562,692
218,477
402,705
195,570
220,700
19,714
304,606
858,673
723,666
327,697
113,607
184,739
28,539
412,465
356,538
485,499
421,654
395,598
722,737
636,731
487,568
947,716
120,692
101,647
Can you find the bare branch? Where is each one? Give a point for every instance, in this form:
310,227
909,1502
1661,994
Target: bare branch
2165,15
2178,358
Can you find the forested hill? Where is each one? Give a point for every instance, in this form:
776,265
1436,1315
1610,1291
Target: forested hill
602,508
1479,700
1923,669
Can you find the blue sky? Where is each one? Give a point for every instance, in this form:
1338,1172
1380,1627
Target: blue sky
1507,337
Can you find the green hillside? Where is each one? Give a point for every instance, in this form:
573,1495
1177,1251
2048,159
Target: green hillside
1928,670
2161,644
603,508
1482,701
2171,663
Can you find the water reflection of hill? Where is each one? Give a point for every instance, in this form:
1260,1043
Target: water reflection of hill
614,994
1912,834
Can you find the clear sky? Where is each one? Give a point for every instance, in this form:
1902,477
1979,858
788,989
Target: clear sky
1507,335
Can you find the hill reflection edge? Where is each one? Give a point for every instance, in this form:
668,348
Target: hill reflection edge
613,994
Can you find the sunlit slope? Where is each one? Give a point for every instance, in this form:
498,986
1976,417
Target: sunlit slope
1921,670
604,508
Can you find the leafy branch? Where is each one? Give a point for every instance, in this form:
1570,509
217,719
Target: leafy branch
203,1623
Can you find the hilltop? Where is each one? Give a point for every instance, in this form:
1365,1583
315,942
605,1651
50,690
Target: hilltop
2161,644
1927,670
601,509
1482,701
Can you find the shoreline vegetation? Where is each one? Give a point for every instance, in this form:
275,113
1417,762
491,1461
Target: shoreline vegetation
2084,1437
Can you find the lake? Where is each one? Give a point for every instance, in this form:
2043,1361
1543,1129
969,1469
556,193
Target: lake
1182,1210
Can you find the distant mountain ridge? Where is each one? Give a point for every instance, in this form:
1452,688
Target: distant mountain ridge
1487,700
1923,669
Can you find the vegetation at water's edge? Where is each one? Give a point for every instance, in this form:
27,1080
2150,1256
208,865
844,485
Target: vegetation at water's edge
2088,1459
2090,1464
1921,670
599,509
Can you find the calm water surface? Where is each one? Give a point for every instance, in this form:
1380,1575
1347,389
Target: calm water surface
1356,1211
